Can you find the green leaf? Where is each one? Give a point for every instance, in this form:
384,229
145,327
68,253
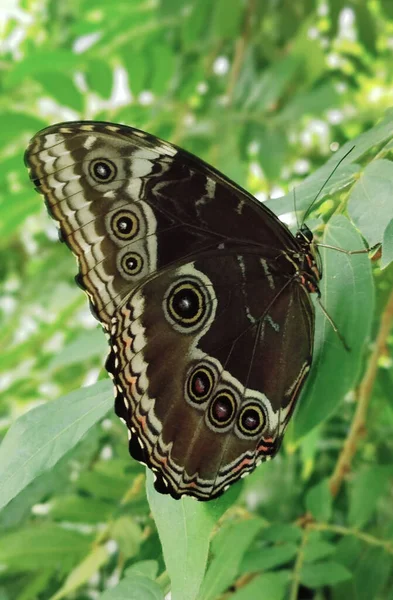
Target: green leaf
83,572
265,91
347,293
128,536
361,148
227,18
185,527
317,549
319,501
387,246
267,557
42,61
281,532
99,76
80,509
365,25
228,549
269,586
87,345
15,123
370,205
29,548
136,587
272,149
147,568
39,438
367,487
316,575
61,87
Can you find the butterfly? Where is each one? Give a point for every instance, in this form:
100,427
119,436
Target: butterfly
204,294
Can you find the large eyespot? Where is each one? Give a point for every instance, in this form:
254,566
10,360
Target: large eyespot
124,224
186,304
222,409
200,384
251,421
131,263
102,170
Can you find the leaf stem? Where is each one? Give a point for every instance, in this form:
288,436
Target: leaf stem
387,545
298,565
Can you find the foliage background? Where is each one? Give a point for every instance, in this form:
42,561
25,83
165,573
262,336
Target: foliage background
266,91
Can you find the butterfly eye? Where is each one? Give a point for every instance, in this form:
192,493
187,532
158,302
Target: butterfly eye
132,263
199,385
186,304
222,409
251,420
103,170
124,225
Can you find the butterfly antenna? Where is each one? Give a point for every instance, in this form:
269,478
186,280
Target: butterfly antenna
334,326
325,183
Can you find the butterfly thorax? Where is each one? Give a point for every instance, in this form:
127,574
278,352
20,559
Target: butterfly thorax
310,265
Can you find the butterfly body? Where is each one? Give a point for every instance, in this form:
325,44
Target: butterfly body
204,293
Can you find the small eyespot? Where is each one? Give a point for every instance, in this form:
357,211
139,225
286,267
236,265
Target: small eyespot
102,170
124,225
186,304
252,420
131,263
222,409
200,384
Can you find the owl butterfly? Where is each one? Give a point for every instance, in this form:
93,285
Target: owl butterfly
203,292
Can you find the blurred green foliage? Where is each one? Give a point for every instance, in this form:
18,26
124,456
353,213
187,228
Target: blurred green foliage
267,91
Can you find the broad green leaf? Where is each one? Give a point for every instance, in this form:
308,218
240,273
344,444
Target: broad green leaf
319,501
267,557
227,18
29,548
269,586
61,86
41,61
387,246
80,509
14,209
360,148
99,77
281,532
272,149
316,550
147,568
265,90
316,575
365,25
347,294
102,485
128,535
185,527
36,585
85,346
17,123
228,549
370,205
371,573
39,438
135,587
315,101
367,487
83,572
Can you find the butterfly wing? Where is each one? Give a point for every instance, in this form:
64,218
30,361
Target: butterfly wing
207,386
158,235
